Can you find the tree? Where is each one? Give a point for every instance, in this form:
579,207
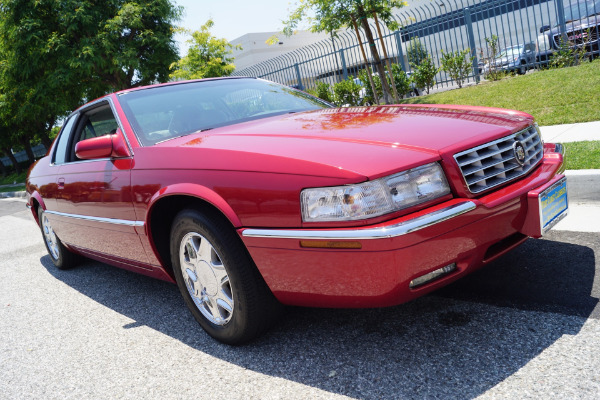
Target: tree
458,65
331,15
207,56
57,54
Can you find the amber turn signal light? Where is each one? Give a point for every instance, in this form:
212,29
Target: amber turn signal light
326,244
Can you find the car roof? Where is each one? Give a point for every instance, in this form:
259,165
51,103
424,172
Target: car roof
180,83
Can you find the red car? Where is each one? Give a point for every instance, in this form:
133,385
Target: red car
250,195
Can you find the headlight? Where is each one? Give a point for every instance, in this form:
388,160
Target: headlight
374,198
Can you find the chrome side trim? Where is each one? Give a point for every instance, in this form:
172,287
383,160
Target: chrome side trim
392,231
98,219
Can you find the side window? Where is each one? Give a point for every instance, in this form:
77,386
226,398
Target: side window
98,121
63,141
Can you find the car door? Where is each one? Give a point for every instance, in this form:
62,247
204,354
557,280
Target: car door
530,54
93,206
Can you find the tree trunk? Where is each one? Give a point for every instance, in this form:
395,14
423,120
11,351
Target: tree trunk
27,146
13,160
45,140
387,93
368,69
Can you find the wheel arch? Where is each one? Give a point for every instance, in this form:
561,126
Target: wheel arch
35,202
168,202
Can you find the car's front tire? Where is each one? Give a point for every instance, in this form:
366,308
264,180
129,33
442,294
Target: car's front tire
218,280
61,257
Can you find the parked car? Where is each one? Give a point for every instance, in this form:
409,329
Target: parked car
518,58
250,195
582,28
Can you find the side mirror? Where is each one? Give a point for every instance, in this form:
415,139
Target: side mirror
102,147
544,28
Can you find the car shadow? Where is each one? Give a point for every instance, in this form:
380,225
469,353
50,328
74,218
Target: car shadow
457,343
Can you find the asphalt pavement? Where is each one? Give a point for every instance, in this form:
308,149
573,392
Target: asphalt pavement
526,326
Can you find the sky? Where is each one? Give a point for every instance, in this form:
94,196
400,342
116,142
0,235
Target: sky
233,18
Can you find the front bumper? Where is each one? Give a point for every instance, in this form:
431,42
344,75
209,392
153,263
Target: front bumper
373,266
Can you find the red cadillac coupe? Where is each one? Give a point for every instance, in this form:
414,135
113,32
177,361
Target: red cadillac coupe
250,195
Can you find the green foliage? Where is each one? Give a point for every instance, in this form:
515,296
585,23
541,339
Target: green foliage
346,93
494,73
416,52
424,74
331,15
58,54
552,96
568,55
207,56
369,98
13,178
401,80
458,65
323,91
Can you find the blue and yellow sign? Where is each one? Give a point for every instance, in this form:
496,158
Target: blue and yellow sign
553,202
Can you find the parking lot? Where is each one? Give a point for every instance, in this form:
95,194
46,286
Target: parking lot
525,327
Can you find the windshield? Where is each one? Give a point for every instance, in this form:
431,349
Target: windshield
166,112
581,10
510,51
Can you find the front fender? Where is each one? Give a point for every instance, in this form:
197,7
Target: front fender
198,191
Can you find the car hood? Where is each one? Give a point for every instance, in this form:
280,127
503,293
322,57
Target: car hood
346,142
584,23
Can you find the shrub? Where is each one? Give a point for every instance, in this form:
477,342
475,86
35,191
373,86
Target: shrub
368,98
323,91
416,52
424,74
458,65
401,80
346,93
493,74
568,55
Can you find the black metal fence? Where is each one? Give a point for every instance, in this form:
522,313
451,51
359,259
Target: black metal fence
444,25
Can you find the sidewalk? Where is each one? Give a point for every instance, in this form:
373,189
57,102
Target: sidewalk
571,132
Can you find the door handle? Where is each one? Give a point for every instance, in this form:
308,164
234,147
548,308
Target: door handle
61,183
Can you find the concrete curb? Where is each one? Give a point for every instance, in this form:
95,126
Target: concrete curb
8,195
583,184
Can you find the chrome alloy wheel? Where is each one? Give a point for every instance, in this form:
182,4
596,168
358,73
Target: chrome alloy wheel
50,237
206,278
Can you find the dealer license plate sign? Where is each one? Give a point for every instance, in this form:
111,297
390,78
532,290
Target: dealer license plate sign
553,204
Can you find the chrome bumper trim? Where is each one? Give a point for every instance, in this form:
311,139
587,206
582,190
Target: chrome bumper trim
98,219
395,230
559,148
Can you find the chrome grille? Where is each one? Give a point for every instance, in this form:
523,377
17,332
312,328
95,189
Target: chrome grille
494,163
579,36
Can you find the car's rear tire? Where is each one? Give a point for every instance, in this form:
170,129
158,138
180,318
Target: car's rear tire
522,69
61,257
218,280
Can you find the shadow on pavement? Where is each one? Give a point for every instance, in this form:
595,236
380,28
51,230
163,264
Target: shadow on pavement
446,345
